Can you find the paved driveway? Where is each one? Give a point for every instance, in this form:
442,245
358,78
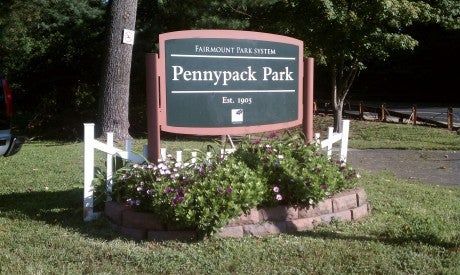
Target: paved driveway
433,167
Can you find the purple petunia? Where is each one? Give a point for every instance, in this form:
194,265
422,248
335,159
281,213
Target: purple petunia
178,199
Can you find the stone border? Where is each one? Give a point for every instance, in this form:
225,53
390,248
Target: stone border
349,205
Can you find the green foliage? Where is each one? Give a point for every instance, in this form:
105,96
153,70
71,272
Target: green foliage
51,51
202,196
447,13
206,195
293,172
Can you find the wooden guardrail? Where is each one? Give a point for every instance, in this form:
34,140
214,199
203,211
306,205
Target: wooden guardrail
383,113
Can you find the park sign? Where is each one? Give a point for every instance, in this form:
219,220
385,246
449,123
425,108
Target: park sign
221,81
225,82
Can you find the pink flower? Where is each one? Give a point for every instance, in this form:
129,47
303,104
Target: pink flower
276,189
279,197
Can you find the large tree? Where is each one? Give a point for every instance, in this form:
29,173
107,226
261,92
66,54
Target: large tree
114,107
447,13
345,35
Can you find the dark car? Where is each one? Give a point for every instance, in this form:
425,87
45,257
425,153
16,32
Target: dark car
9,144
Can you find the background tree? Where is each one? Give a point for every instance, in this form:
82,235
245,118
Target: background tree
346,35
51,51
115,99
447,13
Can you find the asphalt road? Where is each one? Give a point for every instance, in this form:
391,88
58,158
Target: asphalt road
432,167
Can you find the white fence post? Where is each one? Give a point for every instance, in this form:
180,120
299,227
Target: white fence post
332,138
344,145
194,156
88,195
109,170
330,135
163,153
179,156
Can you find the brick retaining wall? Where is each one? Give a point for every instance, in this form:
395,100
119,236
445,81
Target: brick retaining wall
346,206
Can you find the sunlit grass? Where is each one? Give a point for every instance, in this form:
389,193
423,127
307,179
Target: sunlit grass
374,135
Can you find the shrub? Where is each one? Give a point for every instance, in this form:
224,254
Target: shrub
205,195
292,171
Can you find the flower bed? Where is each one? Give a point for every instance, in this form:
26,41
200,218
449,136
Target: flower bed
349,205
206,195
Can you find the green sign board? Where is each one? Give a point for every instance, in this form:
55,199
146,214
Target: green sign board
228,82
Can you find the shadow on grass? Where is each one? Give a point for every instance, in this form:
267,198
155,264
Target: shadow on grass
427,239
60,208
64,208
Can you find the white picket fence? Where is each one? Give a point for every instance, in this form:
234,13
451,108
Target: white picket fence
332,138
91,144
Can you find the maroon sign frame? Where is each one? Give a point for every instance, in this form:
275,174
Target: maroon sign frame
156,80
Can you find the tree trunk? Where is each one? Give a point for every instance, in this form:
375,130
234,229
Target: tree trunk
341,81
114,107
337,114
337,102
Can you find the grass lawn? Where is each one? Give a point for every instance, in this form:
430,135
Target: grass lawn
376,135
413,228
